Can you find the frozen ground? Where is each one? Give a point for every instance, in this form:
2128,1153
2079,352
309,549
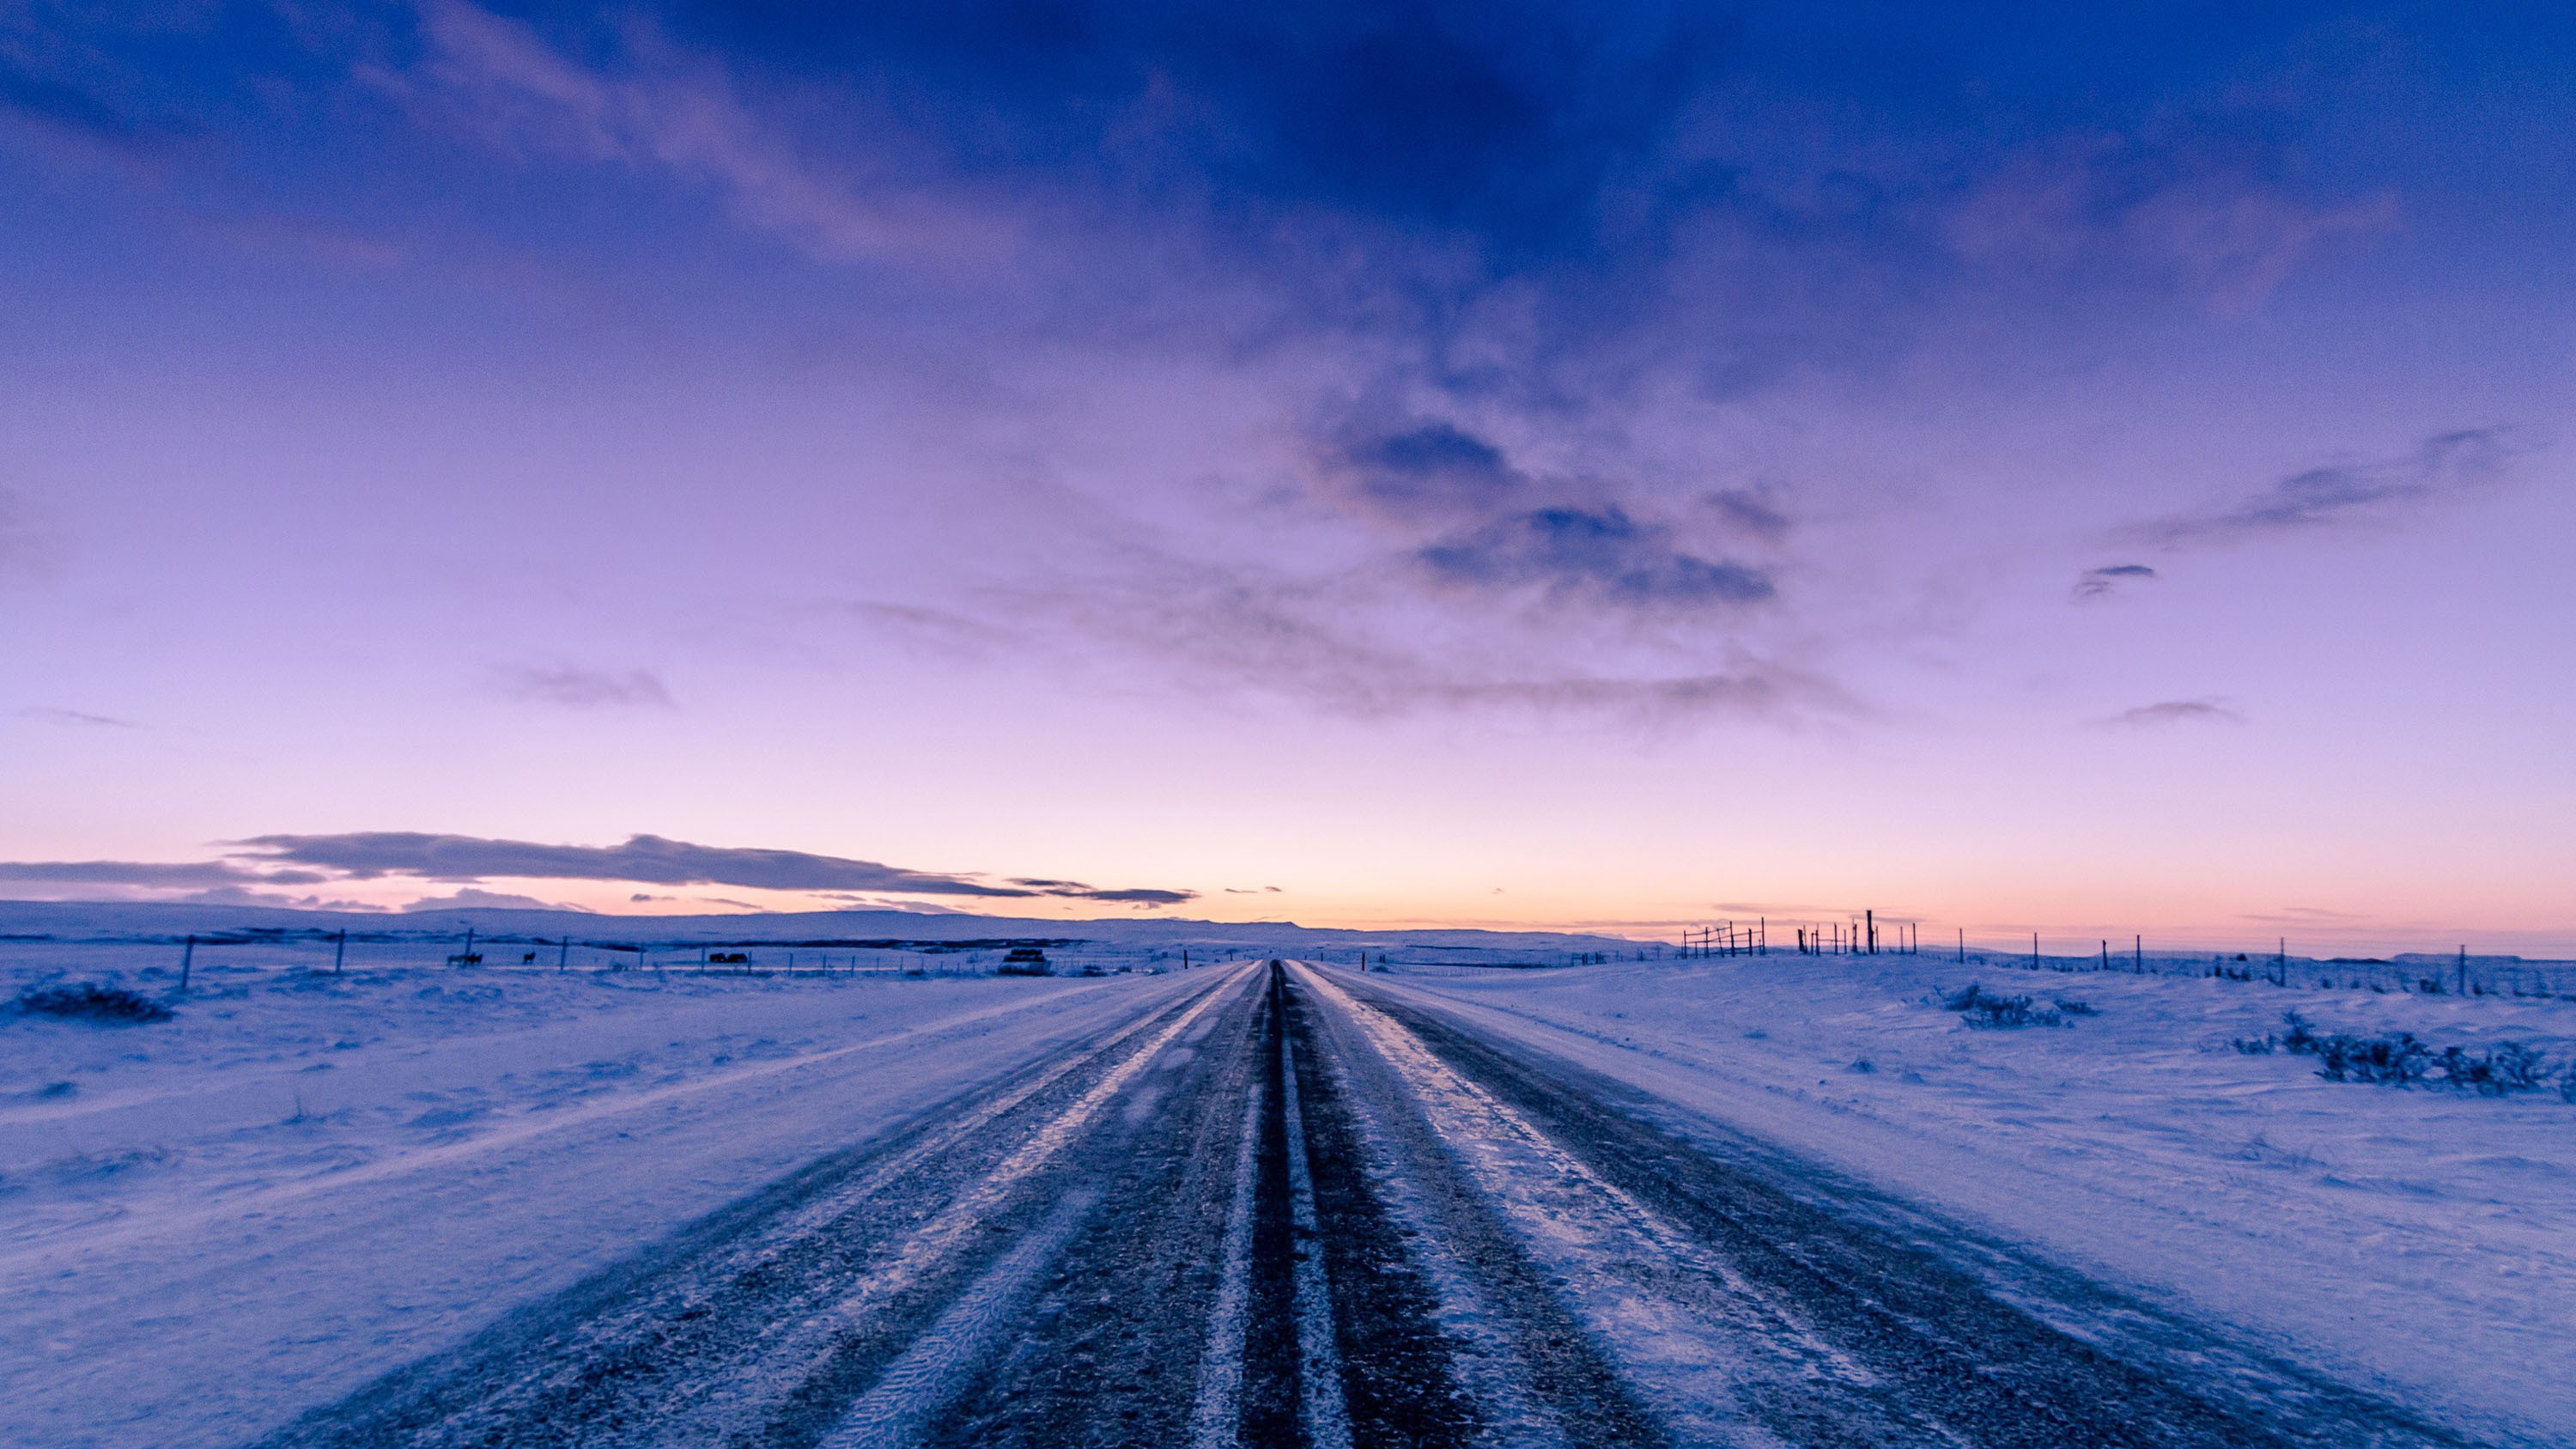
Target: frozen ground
300,1183
2422,1241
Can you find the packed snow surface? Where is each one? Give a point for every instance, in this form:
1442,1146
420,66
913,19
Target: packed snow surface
301,1181
2419,1241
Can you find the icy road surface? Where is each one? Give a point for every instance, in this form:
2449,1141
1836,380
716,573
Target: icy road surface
1276,1205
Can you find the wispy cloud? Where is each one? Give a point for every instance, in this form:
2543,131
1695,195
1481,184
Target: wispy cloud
2101,582
1752,512
922,629
2173,712
66,111
1317,643
2174,208
576,688
469,898
2445,465
2306,916
161,875
233,895
665,108
472,898
74,719
1598,553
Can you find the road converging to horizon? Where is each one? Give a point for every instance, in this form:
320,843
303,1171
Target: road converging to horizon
1292,1207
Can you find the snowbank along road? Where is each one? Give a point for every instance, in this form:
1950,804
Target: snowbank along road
1287,1209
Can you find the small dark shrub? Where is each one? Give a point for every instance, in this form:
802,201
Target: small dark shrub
2402,1061
2519,1067
2076,1008
107,1005
2390,1061
2509,1067
2257,1046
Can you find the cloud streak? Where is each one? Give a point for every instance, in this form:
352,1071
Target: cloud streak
73,113
2173,712
1599,554
582,688
678,112
2101,582
645,860
2446,465
467,862
74,718
157,875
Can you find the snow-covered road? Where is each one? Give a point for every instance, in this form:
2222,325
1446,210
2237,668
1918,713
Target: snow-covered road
1276,1204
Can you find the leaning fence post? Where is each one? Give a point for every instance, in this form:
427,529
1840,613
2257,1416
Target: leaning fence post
187,962
339,950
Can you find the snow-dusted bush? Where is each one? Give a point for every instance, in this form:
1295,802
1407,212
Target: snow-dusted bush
106,1005
1979,1007
2402,1061
2508,1067
2393,1061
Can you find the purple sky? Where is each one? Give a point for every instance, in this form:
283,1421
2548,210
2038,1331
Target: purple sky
1616,465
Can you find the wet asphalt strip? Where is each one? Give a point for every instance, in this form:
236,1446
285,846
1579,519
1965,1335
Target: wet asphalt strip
1288,1211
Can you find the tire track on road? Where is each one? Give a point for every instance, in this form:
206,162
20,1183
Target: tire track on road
1936,1356
701,1342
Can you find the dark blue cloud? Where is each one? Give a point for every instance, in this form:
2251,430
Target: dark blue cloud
644,859
1495,120
1598,552
2099,582
1431,470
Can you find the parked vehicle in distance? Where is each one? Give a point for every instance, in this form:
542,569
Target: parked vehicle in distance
1026,961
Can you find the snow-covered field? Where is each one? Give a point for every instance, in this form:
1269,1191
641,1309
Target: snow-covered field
300,1182
2422,1241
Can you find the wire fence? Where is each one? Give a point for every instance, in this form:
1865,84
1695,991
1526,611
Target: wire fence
214,957
2458,974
